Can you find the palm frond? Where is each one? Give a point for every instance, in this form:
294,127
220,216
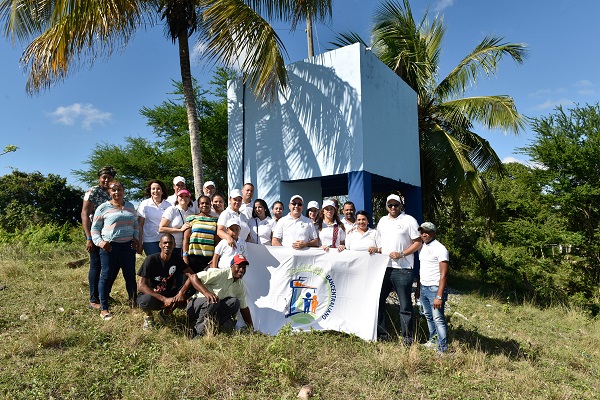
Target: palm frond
239,37
348,38
76,35
483,59
493,112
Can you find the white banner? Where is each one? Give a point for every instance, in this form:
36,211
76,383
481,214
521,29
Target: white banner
314,289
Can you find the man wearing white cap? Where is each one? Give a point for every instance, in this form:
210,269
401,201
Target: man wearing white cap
209,189
295,230
431,287
178,184
400,239
233,211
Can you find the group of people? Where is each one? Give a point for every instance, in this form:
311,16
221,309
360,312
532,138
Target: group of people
195,250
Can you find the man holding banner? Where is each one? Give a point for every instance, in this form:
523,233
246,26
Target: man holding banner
400,239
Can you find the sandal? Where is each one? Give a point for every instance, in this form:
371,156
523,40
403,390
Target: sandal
106,317
94,306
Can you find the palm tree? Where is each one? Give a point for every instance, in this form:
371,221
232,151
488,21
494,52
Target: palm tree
67,35
453,156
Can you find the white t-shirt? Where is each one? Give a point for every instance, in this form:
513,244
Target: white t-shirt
227,214
430,256
226,252
177,216
356,240
260,231
152,215
326,235
290,230
397,234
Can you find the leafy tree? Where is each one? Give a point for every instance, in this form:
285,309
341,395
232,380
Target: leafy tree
66,35
140,159
32,199
567,149
453,156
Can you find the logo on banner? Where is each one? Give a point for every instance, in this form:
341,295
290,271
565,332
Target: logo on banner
313,294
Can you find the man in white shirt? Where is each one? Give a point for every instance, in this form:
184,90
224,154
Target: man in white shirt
233,211
431,287
349,219
209,189
178,184
400,239
295,230
247,205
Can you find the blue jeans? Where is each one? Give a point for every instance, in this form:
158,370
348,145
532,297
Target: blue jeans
436,322
150,248
399,280
122,256
94,274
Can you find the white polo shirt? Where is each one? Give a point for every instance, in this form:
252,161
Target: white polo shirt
326,235
397,234
152,214
290,230
430,256
356,240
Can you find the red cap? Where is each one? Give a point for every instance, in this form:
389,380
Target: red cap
239,259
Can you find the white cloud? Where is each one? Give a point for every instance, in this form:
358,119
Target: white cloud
510,159
544,93
84,114
441,5
585,87
551,104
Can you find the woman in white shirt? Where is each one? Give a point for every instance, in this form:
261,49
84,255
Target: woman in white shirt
150,213
331,229
363,238
173,219
261,225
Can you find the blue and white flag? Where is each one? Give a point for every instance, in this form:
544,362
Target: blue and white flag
314,289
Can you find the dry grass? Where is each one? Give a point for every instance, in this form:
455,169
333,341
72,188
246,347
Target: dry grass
51,345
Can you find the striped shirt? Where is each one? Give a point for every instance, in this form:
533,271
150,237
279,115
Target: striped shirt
202,235
113,224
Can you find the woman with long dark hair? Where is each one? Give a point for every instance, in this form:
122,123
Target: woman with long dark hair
261,224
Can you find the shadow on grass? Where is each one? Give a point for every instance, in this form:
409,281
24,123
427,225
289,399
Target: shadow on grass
468,338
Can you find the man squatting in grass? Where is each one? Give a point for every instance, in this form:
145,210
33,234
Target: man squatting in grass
222,296
431,287
161,282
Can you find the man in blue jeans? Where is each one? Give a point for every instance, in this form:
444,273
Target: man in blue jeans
432,286
400,239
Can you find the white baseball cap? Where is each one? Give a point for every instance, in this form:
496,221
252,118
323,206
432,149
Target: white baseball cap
209,183
233,221
235,193
296,196
394,197
328,203
178,179
312,204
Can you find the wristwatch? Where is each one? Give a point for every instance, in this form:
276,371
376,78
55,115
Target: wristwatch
438,297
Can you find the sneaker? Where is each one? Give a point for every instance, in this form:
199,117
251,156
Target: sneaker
430,344
148,323
164,318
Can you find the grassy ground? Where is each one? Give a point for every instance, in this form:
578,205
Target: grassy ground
52,346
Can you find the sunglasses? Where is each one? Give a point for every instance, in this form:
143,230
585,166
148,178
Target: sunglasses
392,205
297,204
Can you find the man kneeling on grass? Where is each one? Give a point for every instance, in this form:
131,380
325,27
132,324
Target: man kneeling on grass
161,283
221,295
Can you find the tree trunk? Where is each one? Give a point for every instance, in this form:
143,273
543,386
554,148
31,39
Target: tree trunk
309,36
190,105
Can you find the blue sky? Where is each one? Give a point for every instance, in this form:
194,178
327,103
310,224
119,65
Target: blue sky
57,129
